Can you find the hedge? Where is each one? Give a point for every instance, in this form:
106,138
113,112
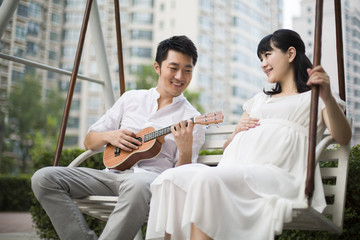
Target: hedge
42,222
15,193
14,188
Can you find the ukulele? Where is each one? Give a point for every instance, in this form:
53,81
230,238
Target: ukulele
151,140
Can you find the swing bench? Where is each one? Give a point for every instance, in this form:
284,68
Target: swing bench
324,153
304,217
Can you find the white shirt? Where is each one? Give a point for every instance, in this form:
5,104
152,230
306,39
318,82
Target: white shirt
137,109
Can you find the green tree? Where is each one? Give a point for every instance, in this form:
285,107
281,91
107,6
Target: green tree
33,119
45,138
194,98
146,77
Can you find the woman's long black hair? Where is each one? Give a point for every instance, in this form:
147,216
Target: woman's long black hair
283,39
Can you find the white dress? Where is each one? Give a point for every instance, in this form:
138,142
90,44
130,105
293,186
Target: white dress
253,190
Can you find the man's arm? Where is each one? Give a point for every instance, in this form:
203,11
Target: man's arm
121,138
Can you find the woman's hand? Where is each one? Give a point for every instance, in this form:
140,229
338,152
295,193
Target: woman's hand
245,123
318,76
333,115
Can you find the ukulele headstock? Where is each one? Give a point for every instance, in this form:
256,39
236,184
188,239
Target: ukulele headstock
209,118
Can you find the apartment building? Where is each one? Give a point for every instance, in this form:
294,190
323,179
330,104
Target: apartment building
226,33
33,33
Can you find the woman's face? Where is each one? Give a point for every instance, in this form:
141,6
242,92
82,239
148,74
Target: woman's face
276,64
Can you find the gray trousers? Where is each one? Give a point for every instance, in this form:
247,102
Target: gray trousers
55,186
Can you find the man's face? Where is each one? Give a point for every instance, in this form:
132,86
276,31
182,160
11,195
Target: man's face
175,74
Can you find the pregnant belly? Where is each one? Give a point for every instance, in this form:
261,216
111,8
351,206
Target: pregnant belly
272,142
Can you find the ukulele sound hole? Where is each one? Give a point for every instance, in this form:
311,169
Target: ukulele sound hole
117,150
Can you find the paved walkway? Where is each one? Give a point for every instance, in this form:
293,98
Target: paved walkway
17,226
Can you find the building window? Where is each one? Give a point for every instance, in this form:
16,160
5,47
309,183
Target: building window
29,70
35,10
73,122
20,33
18,52
17,77
54,36
55,18
33,28
143,3
32,48
75,3
141,35
52,55
140,52
74,18
23,11
71,35
143,18
206,5
69,51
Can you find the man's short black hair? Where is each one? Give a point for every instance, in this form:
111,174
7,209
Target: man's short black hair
177,43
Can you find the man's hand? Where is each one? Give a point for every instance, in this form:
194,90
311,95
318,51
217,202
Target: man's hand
183,135
122,138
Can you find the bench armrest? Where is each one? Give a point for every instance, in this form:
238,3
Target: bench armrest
82,157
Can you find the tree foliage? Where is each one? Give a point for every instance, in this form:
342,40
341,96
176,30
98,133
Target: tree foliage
33,120
146,77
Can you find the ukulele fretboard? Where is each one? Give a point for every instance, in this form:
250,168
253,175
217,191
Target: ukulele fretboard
160,132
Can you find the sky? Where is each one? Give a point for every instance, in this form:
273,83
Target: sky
291,9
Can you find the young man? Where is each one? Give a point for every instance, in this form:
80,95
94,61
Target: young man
135,110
